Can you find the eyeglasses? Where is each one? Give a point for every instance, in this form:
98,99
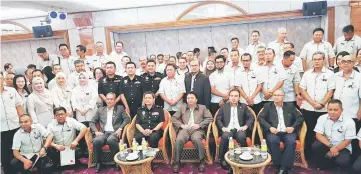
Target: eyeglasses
317,59
278,95
245,60
219,62
346,61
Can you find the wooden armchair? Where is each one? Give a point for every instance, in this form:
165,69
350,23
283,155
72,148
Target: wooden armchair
299,159
162,155
217,138
190,153
106,155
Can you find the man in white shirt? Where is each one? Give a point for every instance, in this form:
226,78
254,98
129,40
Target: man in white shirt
298,61
73,80
99,57
143,66
190,56
277,45
220,85
317,44
7,67
171,90
235,45
317,87
182,69
225,53
291,84
117,55
10,108
66,61
234,68
46,58
252,48
161,65
52,83
81,50
122,70
261,50
349,42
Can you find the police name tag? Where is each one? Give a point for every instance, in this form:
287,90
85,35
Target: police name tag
155,113
137,82
158,78
116,80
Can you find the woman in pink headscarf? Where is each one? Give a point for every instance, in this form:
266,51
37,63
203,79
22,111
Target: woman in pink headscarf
40,103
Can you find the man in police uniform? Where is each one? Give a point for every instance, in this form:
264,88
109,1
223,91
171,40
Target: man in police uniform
110,83
150,119
334,132
131,90
317,86
10,109
63,130
28,144
152,80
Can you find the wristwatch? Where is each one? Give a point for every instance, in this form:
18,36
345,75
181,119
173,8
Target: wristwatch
330,146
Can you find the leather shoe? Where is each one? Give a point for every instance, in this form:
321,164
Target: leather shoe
98,167
202,167
176,168
116,168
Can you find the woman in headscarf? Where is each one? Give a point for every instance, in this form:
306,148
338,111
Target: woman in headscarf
83,99
20,84
61,93
40,103
210,67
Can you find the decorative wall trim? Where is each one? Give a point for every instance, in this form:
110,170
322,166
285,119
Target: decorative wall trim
17,24
241,10
331,25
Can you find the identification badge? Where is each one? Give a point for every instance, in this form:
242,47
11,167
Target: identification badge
155,113
137,82
158,78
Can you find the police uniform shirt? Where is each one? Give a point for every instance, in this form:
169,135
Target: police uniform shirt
151,83
271,76
9,116
336,131
132,89
317,85
351,46
293,76
149,118
221,81
249,81
64,134
349,92
311,47
171,88
30,143
106,85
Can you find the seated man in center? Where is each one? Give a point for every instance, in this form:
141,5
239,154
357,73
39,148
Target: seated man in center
150,119
233,119
281,121
111,119
191,120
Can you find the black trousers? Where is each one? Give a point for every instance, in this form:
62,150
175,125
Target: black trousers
133,107
320,151
256,107
295,104
18,166
159,101
55,155
311,121
356,167
152,139
107,139
240,136
285,161
82,143
6,150
356,151
213,108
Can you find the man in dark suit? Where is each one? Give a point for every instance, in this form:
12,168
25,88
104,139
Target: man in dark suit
111,119
198,83
233,119
280,122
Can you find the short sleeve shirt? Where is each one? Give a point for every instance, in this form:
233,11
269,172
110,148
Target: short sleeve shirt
10,99
64,134
271,76
312,47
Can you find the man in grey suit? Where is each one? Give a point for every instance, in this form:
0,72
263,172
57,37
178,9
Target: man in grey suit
281,121
191,120
233,119
111,119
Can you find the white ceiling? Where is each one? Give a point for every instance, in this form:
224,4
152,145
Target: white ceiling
25,9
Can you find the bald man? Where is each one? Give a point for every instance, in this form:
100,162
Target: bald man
277,45
281,121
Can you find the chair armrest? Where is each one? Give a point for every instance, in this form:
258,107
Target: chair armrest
209,132
302,134
172,134
215,132
254,125
88,138
131,131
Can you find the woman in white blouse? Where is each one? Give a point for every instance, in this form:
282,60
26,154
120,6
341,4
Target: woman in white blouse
40,103
61,93
20,84
98,73
83,99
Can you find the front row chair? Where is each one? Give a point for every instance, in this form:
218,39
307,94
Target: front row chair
217,138
106,155
299,159
190,153
162,155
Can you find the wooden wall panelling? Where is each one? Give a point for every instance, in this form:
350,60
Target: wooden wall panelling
84,22
29,36
356,18
331,25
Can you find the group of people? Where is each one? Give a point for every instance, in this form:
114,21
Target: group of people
60,97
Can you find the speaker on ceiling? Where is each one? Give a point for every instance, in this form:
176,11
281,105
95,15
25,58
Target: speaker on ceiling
42,31
314,8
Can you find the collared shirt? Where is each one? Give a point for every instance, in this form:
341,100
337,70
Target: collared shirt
336,131
73,78
298,64
151,83
281,121
249,81
88,62
96,60
132,90
293,77
10,99
150,118
84,98
171,88
30,143
52,60
161,67
349,92
317,85
252,49
106,85
278,48
109,125
117,59
311,47
64,134
67,64
233,73
271,76
180,74
233,121
351,46
221,81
